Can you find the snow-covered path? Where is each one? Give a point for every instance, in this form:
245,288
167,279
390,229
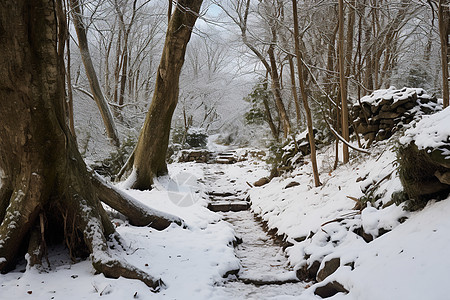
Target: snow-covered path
264,273
262,262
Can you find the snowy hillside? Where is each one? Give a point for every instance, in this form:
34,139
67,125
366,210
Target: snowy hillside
379,252
367,249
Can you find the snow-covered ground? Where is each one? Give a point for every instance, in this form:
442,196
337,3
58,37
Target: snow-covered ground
408,258
190,261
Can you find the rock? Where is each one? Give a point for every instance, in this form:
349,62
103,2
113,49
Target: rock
369,136
360,231
330,289
364,128
401,110
374,109
291,184
420,170
386,115
443,177
390,110
423,175
262,181
199,156
438,156
389,122
225,206
300,239
230,272
382,135
402,102
409,105
308,272
329,267
386,107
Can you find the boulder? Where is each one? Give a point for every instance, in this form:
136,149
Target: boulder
308,272
262,181
330,289
424,174
329,267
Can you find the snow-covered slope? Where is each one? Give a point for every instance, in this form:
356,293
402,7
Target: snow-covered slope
384,252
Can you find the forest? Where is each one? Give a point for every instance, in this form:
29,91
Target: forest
224,149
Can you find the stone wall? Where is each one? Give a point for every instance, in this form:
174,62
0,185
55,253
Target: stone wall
380,114
199,156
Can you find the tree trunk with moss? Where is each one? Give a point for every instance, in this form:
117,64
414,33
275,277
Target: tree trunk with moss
46,192
150,154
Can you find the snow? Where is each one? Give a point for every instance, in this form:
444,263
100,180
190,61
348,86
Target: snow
405,260
188,260
392,93
409,262
431,131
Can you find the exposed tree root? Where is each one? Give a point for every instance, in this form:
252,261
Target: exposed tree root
115,268
47,195
19,218
5,196
138,214
103,260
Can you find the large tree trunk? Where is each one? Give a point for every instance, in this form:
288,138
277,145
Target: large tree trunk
91,75
150,154
45,177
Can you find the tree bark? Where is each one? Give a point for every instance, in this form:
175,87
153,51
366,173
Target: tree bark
138,215
277,92
151,149
342,83
91,75
294,90
44,174
444,31
301,80
269,119
70,92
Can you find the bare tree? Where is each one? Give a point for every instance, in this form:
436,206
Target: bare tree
108,119
269,14
312,142
150,153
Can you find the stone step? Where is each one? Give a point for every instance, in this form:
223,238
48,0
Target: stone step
220,194
224,206
226,199
226,160
261,282
226,154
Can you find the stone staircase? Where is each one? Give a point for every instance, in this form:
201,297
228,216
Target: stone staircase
224,202
228,157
